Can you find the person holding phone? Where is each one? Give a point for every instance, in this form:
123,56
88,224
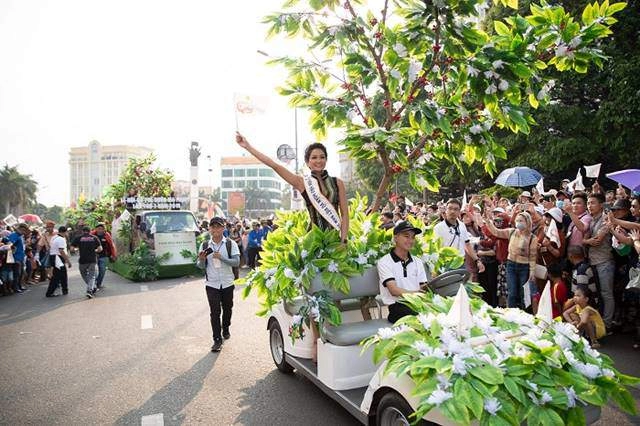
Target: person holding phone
217,257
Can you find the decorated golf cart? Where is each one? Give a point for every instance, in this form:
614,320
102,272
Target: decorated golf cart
459,360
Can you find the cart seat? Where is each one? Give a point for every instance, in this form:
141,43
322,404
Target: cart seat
354,332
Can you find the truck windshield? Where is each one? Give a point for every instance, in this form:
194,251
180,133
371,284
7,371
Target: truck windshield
177,221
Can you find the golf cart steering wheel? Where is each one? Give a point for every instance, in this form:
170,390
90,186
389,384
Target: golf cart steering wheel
448,283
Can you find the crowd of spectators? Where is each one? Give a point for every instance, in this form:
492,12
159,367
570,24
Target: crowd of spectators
584,244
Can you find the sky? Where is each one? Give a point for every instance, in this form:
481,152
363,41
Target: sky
138,72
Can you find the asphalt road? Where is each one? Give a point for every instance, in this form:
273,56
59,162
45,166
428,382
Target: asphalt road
72,361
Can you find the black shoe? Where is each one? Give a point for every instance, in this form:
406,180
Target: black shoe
64,293
94,291
51,295
217,346
226,335
89,295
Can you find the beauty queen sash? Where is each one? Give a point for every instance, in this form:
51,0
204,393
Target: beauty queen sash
320,202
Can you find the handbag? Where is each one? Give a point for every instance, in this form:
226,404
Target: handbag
634,279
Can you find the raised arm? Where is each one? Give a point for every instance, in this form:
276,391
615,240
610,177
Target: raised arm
498,233
290,178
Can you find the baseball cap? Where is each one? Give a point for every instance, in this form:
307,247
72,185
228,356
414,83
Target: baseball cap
621,204
217,221
526,194
498,209
62,229
403,225
566,180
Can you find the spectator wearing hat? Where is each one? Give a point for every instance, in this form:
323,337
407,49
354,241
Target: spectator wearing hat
564,184
217,257
17,239
59,260
88,247
399,272
550,251
386,220
108,252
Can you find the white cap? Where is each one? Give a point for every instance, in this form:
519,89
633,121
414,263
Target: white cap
555,213
525,194
498,209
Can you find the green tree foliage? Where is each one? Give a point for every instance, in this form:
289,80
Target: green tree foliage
54,213
592,117
17,191
418,84
140,178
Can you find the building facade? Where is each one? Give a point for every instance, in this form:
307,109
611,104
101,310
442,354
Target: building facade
95,167
261,185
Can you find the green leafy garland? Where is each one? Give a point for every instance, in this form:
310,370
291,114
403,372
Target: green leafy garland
510,367
293,256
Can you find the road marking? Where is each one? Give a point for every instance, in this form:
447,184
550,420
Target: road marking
153,420
146,322
144,288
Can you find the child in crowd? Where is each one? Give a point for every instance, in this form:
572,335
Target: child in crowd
584,317
558,289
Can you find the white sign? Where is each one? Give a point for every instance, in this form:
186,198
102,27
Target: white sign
175,243
10,220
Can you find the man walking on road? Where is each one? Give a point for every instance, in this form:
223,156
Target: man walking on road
108,252
59,261
88,246
217,256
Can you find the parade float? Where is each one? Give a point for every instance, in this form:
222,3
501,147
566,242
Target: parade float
414,85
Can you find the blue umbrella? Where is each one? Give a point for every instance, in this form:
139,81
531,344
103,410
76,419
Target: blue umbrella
519,177
629,178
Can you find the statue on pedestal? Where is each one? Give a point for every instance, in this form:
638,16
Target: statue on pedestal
194,153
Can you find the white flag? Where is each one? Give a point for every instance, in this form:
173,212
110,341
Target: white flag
576,184
593,171
527,294
460,312
464,200
552,233
540,186
545,307
249,104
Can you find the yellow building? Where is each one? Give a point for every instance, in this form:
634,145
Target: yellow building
95,167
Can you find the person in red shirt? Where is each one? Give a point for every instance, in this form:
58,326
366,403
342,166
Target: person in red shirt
559,292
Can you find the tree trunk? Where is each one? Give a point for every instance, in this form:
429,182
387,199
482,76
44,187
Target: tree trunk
7,208
382,188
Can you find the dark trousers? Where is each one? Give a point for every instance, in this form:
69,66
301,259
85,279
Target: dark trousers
17,276
489,280
399,310
517,277
220,300
58,278
253,256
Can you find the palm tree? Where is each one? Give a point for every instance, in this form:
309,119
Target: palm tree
17,191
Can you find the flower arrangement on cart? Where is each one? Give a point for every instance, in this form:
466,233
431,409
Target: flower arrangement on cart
414,85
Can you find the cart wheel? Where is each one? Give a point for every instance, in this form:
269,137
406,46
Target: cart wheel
276,344
393,410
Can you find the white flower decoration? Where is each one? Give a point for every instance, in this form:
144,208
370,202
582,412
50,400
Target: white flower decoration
571,396
438,397
332,267
503,85
414,69
491,89
473,72
400,49
590,371
296,319
395,74
475,129
314,313
289,273
270,282
492,406
361,259
459,366
304,254
497,64
389,332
